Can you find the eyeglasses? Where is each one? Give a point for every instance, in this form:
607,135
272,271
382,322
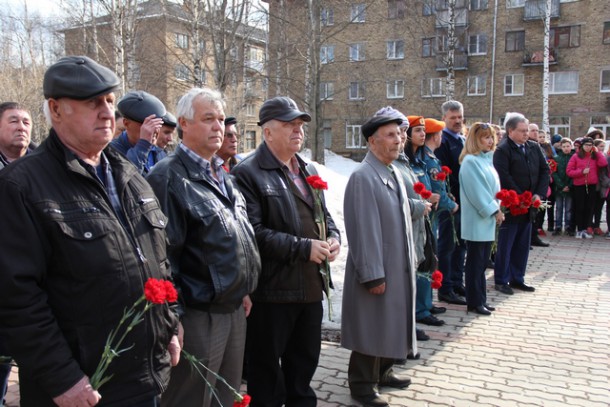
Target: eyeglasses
588,145
484,126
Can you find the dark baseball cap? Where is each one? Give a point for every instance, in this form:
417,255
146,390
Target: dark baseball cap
138,105
170,120
78,77
370,127
230,120
280,108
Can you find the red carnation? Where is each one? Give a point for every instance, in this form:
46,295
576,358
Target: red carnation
171,295
437,276
244,402
426,194
419,187
441,176
154,291
446,170
536,203
316,182
436,284
501,194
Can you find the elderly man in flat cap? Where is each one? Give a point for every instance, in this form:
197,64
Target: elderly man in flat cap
78,253
143,115
284,327
378,314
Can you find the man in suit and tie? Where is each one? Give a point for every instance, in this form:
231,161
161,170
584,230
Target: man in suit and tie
521,167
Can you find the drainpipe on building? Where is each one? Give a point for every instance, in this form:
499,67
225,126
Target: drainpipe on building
493,63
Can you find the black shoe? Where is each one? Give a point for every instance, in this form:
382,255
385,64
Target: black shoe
489,307
431,320
411,356
437,310
400,362
539,243
460,290
391,380
481,310
504,289
421,335
452,298
522,287
490,264
557,232
371,400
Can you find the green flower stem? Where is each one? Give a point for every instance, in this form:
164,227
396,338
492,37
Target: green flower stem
197,364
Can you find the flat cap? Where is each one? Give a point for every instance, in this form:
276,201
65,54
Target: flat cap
78,77
280,108
138,105
230,120
433,125
170,120
370,127
415,121
391,112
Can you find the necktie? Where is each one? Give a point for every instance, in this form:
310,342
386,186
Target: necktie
522,147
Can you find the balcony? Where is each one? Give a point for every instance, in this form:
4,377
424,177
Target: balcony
460,16
535,9
460,62
536,58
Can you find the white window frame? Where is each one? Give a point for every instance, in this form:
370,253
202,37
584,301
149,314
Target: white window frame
395,89
520,47
515,3
478,5
604,87
431,47
327,54
327,16
394,51
358,87
327,133
397,9
182,72
250,109
356,52
327,90
514,84
430,87
480,45
561,79
182,41
477,85
357,13
560,125
353,136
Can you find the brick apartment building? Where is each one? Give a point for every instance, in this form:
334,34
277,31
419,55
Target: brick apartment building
163,65
375,53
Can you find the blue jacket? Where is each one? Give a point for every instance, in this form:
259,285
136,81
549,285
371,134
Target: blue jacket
433,166
479,184
143,154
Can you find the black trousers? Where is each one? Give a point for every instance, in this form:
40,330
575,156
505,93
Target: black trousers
365,372
283,351
583,203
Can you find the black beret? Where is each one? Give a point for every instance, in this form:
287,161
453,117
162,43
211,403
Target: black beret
138,105
370,127
78,77
280,108
230,120
170,120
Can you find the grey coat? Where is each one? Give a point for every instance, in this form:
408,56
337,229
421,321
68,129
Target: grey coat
378,228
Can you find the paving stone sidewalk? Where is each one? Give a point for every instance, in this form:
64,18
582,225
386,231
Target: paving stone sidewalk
548,348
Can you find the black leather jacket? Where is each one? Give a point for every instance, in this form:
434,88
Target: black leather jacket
70,269
273,213
212,249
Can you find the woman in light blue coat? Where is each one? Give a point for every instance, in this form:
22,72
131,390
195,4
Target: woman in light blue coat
480,211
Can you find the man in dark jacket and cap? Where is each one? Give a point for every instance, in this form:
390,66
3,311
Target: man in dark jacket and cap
79,253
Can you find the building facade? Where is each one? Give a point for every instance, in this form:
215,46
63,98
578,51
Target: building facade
376,53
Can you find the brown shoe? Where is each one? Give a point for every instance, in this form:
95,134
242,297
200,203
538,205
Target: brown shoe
392,380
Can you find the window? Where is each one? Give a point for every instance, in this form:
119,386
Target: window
605,81
478,4
563,82
477,85
353,136
513,85
327,54
182,41
356,52
395,49
181,72
395,89
515,41
356,91
477,44
565,37
327,90
515,3
602,123
232,53
357,13
442,44
560,125
433,87
606,39
396,9
255,59
249,140
202,45
427,47
249,109
428,8
327,133
327,16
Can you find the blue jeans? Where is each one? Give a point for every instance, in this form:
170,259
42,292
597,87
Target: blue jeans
450,255
423,298
563,212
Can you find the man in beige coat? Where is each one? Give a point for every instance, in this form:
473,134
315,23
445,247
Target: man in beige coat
378,316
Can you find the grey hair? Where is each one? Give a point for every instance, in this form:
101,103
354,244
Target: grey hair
46,111
184,108
452,105
512,120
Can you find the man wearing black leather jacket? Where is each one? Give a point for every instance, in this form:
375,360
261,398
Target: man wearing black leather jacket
212,251
81,234
284,327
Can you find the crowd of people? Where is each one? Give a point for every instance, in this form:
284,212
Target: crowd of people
104,203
